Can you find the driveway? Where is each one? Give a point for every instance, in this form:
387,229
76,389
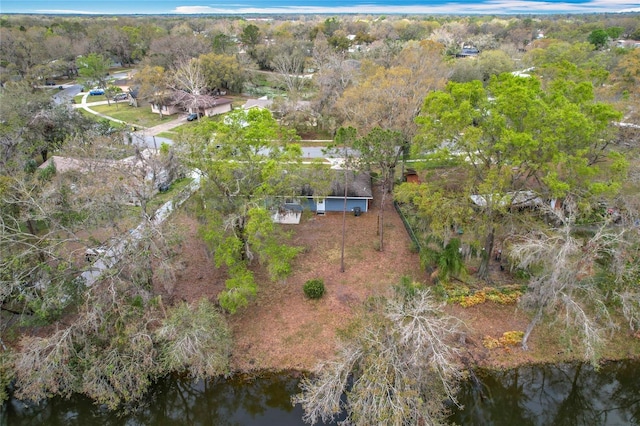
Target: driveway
145,137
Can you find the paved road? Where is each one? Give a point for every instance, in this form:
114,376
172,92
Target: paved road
68,92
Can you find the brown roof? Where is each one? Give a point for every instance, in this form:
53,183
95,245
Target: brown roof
358,186
198,101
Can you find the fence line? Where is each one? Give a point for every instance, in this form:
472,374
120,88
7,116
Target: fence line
407,226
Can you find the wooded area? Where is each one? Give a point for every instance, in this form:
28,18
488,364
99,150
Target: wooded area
523,134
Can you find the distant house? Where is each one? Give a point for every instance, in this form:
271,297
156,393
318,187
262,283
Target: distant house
218,106
151,175
166,109
167,105
262,102
202,104
359,194
134,96
628,44
467,51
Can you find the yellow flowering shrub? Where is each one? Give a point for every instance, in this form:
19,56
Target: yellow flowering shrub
511,338
490,343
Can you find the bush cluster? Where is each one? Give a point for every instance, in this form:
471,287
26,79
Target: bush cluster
314,289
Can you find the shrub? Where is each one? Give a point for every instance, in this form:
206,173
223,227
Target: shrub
314,289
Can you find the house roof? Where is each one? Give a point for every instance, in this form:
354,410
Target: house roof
468,51
83,165
258,103
200,102
515,199
358,186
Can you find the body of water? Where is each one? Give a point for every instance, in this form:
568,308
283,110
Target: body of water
571,394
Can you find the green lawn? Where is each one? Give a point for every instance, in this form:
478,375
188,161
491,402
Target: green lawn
133,115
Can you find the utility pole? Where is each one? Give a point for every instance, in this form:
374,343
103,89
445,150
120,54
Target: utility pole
344,218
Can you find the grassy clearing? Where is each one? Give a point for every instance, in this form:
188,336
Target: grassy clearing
96,98
129,114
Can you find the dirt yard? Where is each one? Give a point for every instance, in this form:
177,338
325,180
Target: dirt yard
281,329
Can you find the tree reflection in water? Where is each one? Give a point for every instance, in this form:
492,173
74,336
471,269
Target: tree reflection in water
237,401
566,394
530,395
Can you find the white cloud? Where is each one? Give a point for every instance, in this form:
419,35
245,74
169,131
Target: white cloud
486,7
195,9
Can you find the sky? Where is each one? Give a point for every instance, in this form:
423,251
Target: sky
465,7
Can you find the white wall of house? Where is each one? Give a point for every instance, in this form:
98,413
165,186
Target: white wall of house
166,109
218,109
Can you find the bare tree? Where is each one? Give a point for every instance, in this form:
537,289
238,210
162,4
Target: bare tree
581,280
289,64
197,340
402,365
189,78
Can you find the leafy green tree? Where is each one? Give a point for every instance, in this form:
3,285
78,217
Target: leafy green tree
94,70
330,26
250,36
614,33
247,162
599,38
512,134
569,61
223,44
222,71
339,41
154,83
447,258
494,62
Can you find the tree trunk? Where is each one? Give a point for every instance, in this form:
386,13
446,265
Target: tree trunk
483,271
530,328
381,217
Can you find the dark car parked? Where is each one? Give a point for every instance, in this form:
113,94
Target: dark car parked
193,116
